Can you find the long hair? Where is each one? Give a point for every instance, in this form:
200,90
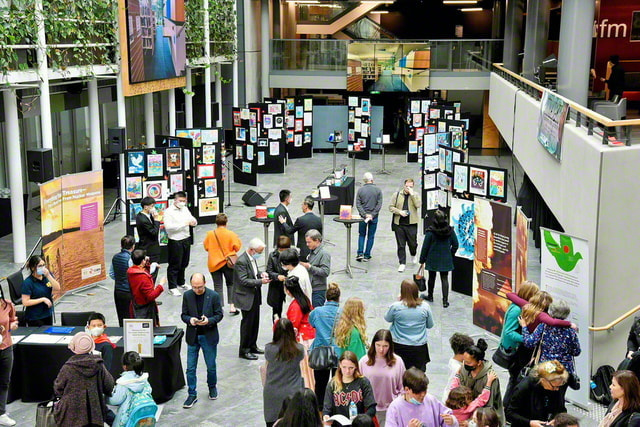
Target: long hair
527,290
631,387
459,397
487,417
338,383
537,304
381,335
302,410
292,284
409,293
285,338
352,316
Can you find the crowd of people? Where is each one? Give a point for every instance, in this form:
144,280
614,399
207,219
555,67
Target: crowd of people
377,381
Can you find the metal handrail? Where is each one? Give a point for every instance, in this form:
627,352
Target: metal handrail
610,325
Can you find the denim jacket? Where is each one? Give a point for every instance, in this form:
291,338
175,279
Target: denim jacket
323,319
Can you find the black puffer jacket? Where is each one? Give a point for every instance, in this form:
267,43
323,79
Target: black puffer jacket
633,342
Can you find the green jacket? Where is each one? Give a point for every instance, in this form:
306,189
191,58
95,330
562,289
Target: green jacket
477,384
511,331
355,344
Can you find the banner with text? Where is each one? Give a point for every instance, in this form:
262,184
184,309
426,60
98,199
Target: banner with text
522,247
553,114
492,278
565,275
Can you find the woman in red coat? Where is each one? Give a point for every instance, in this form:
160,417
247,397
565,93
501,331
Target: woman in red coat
298,314
143,289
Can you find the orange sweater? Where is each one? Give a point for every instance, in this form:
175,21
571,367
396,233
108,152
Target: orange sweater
229,241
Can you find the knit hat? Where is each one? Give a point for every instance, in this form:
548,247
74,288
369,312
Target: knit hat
82,343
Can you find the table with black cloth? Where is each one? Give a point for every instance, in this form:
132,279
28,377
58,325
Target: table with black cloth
36,365
345,192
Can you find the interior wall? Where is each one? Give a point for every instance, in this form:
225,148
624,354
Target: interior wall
471,99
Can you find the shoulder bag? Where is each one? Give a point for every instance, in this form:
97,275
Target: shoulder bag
324,356
393,215
535,358
231,259
418,277
504,357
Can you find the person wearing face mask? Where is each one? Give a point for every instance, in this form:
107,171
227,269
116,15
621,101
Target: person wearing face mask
37,293
177,223
247,284
416,408
144,291
96,325
148,228
404,207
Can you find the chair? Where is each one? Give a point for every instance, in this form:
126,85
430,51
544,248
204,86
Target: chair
15,287
75,318
614,111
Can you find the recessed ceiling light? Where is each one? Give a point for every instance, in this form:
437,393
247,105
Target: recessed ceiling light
460,2
379,12
471,9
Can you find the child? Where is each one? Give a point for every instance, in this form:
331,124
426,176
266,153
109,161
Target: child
459,343
461,400
133,394
96,326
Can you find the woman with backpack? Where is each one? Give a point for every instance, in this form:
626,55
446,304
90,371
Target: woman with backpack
133,394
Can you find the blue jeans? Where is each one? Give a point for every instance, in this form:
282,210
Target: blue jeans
368,230
318,298
210,352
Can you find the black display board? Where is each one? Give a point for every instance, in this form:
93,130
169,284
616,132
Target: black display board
479,180
426,116
359,127
269,134
299,127
245,158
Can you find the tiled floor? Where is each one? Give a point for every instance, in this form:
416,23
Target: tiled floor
240,401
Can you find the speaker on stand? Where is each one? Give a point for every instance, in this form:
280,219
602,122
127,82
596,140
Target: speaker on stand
251,198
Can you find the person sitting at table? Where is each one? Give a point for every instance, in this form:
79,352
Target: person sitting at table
81,386
304,223
143,289
37,293
96,325
132,383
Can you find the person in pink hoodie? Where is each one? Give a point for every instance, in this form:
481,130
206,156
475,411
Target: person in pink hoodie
463,404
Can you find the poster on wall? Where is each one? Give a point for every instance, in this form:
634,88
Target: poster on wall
522,247
461,218
492,278
553,114
565,275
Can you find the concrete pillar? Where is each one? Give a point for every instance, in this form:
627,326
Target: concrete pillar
13,144
172,112
236,84
574,55
252,49
219,93
265,37
188,102
94,125
148,120
535,36
122,122
43,75
207,70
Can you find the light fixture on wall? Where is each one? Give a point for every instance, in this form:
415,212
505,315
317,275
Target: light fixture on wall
471,9
379,12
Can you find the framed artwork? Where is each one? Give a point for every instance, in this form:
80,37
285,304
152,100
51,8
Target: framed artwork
253,135
154,165
274,148
241,134
174,158
308,104
261,158
497,183
249,152
196,137
209,136
134,210
135,162
267,121
353,101
299,125
307,138
429,181
290,121
460,178
239,152
176,182
424,106
275,133
160,207
290,103
236,118
290,135
274,108
246,167
366,104
134,187
431,162
253,118
206,171
209,207
430,145
208,154
442,139
477,181
263,142
308,119
155,189
419,133
297,140
210,188
279,121
414,106
299,112
417,120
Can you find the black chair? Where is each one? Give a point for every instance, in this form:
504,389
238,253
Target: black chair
77,318
22,319
15,287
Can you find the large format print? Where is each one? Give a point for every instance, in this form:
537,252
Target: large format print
553,114
156,39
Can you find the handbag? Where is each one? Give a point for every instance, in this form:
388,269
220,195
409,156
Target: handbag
231,259
418,277
394,227
323,357
504,357
44,414
535,358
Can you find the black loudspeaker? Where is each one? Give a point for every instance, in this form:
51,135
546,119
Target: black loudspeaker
117,140
251,198
40,165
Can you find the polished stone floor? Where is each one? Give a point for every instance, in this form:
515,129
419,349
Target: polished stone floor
240,401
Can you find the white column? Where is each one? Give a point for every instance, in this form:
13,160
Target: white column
236,94
265,57
188,102
172,112
207,70
122,122
15,175
94,125
148,119
219,93
43,74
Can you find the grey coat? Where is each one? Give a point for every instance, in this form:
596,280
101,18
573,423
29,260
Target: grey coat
246,286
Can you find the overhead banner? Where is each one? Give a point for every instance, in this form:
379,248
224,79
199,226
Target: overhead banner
72,209
462,221
565,275
553,114
522,247
492,278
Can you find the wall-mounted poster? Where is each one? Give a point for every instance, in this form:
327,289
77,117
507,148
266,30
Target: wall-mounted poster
155,189
477,181
496,183
208,154
160,207
246,167
174,158
134,187
155,165
210,188
460,178
429,181
241,134
196,137
176,182
206,171
308,104
135,162
274,148
553,114
135,209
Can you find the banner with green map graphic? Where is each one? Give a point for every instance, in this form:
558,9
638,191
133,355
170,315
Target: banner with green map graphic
565,275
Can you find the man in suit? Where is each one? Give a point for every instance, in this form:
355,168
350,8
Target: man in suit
281,210
148,228
247,281
304,223
201,311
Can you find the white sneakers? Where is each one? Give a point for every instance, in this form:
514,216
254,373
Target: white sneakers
401,268
5,420
416,259
175,292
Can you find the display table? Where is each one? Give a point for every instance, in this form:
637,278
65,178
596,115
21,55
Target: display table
36,365
347,269
345,193
321,203
266,222
382,145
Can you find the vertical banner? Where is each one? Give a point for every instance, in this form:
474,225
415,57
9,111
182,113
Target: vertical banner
492,278
565,275
522,247
553,114
51,225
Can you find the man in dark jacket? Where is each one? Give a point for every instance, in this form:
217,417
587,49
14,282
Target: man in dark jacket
201,311
148,228
120,263
304,223
281,210
368,203
247,281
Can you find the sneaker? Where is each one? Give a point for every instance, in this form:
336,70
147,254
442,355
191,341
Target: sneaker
5,420
213,394
366,259
185,287
191,400
175,292
401,268
416,259
359,257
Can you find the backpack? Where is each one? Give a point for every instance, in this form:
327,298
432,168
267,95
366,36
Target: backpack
600,383
142,410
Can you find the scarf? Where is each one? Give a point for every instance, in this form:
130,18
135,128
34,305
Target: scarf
103,338
611,416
